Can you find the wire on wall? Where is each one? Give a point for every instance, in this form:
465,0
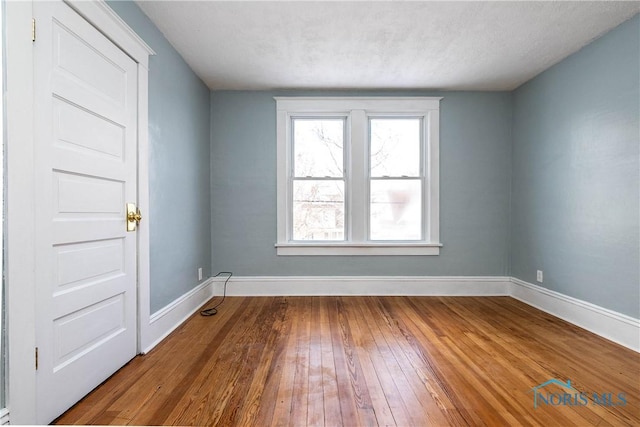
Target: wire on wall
214,310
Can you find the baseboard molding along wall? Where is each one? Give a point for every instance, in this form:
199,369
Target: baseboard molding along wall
365,285
617,327
614,326
168,318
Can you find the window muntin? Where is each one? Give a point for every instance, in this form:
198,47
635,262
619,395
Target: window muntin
396,179
318,179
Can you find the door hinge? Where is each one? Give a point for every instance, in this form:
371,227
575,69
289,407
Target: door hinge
36,358
33,29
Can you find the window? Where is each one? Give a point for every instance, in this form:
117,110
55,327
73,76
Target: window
358,176
318,179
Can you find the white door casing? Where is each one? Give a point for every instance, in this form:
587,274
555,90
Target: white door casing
85,142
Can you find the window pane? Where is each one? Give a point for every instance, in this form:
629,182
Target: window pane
318,210
318,147
396,209
395,147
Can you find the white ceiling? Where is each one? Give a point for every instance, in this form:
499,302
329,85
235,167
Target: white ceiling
447,45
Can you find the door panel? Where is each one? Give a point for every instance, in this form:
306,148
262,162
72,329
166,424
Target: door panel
83,264
79,332
101,138
86,127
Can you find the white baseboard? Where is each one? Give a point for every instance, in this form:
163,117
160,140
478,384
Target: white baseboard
362,285
614,326
168,318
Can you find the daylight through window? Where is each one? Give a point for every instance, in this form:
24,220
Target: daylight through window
318,179
396,179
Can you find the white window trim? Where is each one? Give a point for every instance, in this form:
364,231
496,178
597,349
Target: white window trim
358,109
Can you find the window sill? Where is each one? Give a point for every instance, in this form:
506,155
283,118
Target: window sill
357,249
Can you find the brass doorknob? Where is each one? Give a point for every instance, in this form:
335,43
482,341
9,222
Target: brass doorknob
134,216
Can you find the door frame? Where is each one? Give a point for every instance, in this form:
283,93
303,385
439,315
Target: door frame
21,264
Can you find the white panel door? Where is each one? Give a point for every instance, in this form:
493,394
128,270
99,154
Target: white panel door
86,166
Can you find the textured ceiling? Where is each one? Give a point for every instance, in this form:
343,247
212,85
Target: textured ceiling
383,45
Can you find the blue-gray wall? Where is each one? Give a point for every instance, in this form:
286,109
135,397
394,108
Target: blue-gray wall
575,195
475,155
179,170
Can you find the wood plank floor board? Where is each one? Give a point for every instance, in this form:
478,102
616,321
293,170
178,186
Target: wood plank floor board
331,396
241,404
283,399
300,399
351,335
315,409
264,403
403,383
368,361
389,409
349,389
458,376
426,346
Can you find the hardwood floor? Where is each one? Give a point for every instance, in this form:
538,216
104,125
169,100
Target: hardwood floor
368,361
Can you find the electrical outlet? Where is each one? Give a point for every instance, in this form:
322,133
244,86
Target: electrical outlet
200,273
539,276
